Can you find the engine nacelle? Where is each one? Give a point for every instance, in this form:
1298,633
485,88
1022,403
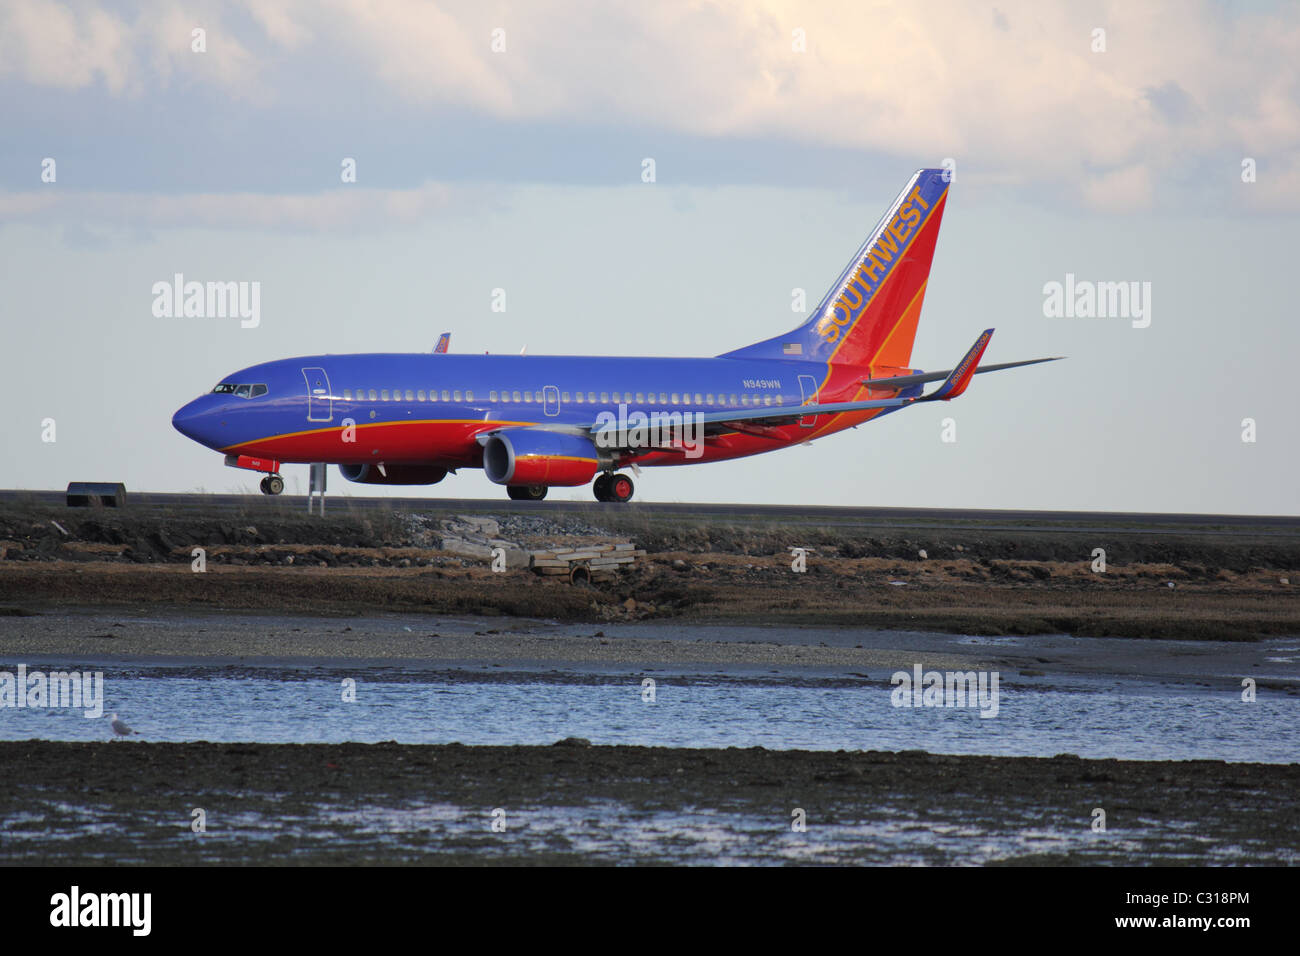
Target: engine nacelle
530,456
369,474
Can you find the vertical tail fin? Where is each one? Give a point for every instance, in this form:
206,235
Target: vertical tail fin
869,316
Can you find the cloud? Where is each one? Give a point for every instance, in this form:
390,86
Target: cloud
346,207
1015,92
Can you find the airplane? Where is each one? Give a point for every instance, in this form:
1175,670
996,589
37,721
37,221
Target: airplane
533,422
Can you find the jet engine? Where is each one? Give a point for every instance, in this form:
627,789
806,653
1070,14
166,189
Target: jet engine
531,456
381,474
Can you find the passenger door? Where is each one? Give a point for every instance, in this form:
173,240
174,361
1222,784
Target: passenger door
808,392
320,400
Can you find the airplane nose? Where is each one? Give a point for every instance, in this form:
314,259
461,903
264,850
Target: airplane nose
195,421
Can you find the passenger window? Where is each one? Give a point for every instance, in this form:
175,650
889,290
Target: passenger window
469,396
564,396
708,399
528,396
676,398
640,397
518,396
767,399
347,394
663,398
420,395
578,396
446,395
373,396
410,395
699,399
778,400
492,395
591,397
456,395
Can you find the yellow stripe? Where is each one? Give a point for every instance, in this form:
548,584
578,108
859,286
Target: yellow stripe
874,295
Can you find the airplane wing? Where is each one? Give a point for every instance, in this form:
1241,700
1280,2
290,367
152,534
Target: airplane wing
614,434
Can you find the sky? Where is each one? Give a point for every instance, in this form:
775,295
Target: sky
505,146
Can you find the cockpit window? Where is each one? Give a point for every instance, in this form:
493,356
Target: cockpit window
240,391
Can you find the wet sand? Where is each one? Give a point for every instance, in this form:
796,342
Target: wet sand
537,649
131,802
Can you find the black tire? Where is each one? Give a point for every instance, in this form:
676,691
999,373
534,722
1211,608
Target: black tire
265,490
601,486
621,488
526,492
274,484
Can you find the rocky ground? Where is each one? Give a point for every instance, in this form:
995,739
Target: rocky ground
1198,584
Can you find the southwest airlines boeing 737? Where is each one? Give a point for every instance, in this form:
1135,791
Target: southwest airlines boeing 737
531,422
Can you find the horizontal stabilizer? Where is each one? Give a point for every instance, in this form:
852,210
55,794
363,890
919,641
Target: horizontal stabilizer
902,381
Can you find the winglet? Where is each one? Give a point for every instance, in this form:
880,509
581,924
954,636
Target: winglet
444,342
960,377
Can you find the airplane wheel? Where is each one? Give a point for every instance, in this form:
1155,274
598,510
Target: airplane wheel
526,492
620,488
274,484
601,487
265,490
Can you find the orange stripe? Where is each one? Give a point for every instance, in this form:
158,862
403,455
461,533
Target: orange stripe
821,430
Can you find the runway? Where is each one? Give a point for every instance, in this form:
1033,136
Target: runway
1055,522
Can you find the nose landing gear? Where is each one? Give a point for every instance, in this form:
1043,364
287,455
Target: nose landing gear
272,485
609,487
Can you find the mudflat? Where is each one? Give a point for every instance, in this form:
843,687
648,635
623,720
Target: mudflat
132,802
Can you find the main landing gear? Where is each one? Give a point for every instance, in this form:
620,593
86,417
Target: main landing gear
272,485
609,487
526,492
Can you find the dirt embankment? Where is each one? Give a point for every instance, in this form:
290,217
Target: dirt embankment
965,580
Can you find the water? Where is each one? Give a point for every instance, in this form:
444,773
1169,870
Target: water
1090,718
